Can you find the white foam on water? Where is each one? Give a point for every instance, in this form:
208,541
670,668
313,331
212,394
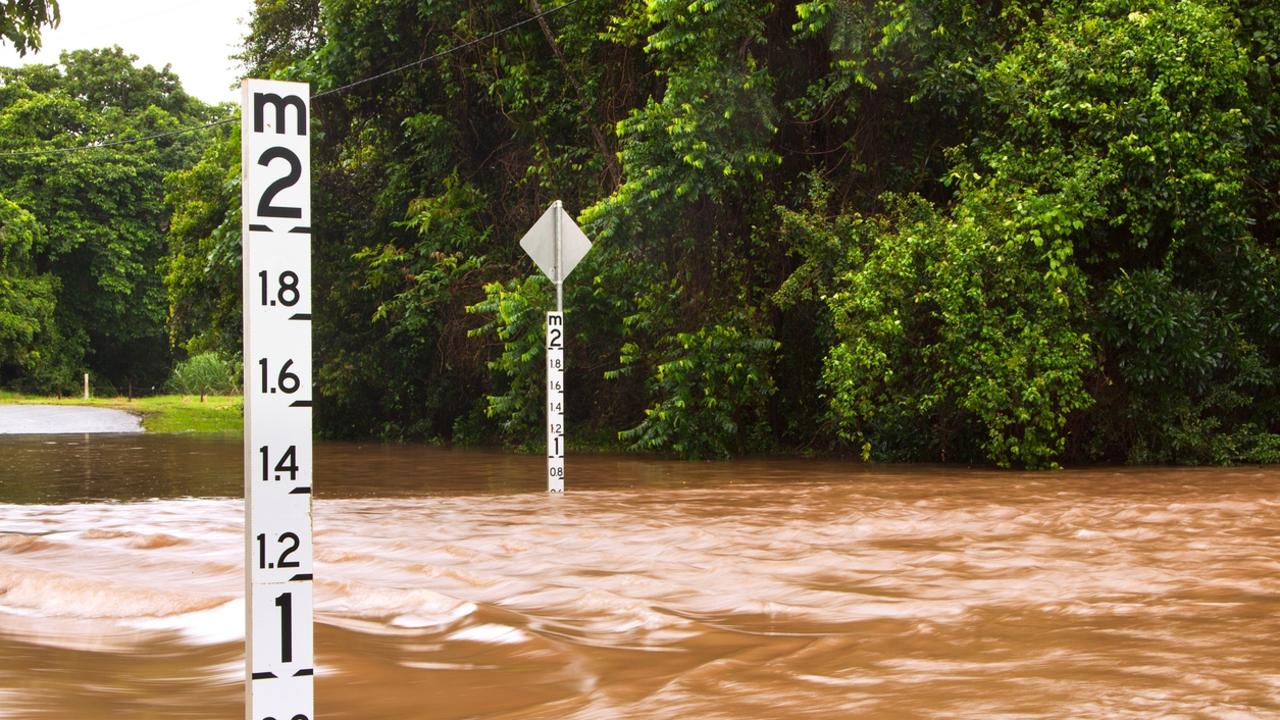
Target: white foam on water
447,666
492,634
840,682
417,621
221,624
26,590
406,607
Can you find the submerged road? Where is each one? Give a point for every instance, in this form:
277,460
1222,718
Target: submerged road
55,419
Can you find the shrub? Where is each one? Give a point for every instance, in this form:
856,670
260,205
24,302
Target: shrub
204,374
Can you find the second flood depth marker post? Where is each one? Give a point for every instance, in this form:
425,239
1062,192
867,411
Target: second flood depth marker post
276,238
556,244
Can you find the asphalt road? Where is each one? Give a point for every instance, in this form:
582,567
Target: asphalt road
54,419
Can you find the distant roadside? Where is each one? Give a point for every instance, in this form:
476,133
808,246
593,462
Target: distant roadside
162,413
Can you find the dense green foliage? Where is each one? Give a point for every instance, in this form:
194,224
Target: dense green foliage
1020,233
84,232
21,22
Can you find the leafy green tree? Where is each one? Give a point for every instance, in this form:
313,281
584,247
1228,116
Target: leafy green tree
282,34
516,311
1143,109
1023,233
100,212
21,22
202,263
968,326
712,388
28,335
425,180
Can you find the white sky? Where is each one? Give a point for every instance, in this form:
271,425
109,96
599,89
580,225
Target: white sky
195,37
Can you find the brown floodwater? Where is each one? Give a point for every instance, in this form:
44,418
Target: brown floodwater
449,586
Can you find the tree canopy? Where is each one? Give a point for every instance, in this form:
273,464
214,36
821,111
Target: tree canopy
95,222
1023,233
21,22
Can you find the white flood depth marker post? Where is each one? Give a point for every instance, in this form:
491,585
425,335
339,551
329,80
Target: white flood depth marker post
276,259
556,244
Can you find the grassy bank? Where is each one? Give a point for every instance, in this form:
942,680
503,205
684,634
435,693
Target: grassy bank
162,413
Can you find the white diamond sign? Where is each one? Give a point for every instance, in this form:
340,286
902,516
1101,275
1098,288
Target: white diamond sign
540,243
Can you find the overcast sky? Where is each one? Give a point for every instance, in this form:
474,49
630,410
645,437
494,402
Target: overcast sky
195,37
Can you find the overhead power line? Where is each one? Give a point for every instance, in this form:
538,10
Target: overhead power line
442,53
104,143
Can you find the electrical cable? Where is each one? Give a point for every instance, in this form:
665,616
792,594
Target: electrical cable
332,91
442,53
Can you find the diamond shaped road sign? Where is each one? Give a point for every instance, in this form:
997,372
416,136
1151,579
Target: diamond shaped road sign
540,243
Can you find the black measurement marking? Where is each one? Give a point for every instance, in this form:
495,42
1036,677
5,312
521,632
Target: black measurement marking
286,381
300,316
260,228
266,206
261,100
287,294
302,230
305,672
300,491
288,463
301,576
291,543
264,675
300,403
285,602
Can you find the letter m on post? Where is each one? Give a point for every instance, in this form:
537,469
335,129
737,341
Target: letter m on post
281,105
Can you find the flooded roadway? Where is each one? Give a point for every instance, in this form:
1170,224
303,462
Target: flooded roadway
449,586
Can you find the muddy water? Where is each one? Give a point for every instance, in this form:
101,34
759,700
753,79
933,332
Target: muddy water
448,586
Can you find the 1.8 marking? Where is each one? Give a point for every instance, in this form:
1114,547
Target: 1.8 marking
287,293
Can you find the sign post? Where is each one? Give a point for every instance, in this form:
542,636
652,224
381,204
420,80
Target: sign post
276,264
557,245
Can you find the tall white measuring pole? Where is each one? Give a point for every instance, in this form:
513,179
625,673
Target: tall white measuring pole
276,247
556,244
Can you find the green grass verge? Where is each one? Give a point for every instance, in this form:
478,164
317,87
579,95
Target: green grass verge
162,413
